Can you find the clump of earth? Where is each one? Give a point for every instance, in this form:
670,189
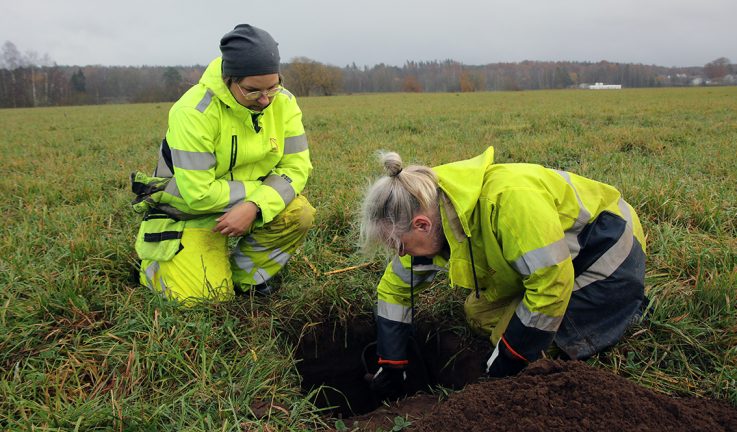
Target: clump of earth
547,395
553,395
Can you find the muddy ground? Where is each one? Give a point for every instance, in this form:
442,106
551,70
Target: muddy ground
548,395
553,395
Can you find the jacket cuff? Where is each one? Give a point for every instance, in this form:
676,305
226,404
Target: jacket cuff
392,337
525,343
392,363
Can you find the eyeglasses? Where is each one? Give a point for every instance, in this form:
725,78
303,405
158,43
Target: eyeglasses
254,95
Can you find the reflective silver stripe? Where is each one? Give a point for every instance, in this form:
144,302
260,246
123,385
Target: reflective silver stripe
261,276
172,188
295,144
612,258
200,161
243,262
537,320
583,218
237,193
405,274
281,186
164,289
394,312
253,245
246,264
205,102
162,170
150,272
399,270
280,257
428,267
546,256
286,92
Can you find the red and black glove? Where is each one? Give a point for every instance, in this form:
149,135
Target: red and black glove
388,382
518,346
504,361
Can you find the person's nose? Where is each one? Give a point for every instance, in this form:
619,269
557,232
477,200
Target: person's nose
263,99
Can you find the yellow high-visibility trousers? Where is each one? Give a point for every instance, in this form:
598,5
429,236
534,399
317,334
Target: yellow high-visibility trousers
205,268
489,319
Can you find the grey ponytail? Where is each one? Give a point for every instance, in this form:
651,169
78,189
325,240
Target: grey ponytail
393,200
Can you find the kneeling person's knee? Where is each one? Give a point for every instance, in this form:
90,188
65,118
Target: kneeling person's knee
299,214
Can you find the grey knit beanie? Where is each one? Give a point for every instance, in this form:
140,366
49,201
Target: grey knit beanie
249,51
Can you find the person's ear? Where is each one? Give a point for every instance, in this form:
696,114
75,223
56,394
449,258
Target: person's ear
422,223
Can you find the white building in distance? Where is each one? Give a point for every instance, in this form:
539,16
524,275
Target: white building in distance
602,86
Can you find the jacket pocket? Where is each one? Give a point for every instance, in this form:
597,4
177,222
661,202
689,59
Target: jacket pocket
159,237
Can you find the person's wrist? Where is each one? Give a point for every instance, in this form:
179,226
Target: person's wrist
258,209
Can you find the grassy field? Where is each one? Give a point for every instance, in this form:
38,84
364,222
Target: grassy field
83,348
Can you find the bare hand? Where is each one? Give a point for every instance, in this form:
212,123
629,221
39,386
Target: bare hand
236,221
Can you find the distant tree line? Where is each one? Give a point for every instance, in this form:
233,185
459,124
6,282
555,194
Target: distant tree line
30,80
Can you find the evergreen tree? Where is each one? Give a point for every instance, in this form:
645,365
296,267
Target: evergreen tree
78,82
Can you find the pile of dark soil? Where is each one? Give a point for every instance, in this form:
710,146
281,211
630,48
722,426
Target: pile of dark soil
554,395
549,395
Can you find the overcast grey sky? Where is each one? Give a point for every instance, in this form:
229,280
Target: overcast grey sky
186,32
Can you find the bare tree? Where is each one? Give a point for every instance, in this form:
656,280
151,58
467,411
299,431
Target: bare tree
718,68
299,75
304,76
411,84
11,58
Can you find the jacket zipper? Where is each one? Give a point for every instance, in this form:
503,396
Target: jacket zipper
233,154
473,267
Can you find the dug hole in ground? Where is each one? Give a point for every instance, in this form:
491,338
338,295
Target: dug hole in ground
547,395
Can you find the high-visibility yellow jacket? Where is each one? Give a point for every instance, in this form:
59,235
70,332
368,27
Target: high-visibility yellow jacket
522,222
220,153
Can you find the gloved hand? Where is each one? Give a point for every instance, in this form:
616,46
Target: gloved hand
503,362
388,382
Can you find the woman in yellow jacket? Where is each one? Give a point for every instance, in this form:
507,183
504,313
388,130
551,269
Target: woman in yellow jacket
233,164
549,257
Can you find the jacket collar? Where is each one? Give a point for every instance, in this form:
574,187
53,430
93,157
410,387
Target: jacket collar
212,78
460,188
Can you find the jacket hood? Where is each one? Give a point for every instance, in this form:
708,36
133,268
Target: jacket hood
461,182
213,80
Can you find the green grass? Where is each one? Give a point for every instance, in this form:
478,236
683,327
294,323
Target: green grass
83,348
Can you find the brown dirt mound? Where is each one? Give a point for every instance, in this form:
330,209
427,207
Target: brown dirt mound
555,395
